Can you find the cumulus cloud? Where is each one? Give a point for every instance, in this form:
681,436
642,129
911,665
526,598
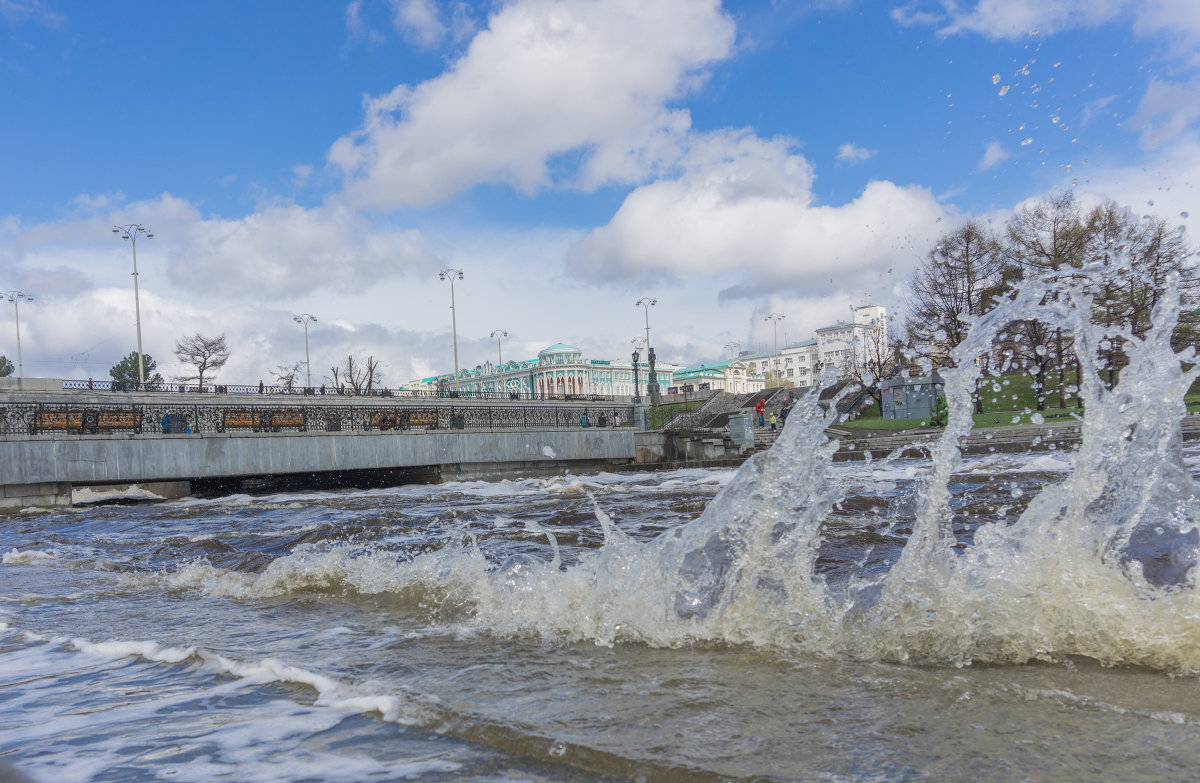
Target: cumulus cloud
853,154
1177,20
547,78
993,155
1165,111
287,250
418,19
744,205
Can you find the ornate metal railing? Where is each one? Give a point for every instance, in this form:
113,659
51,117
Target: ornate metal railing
321,391
26,418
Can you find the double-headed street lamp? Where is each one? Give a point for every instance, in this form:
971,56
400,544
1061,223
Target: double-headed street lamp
732,348
646,303
306,319
15,297
498,335
452,275
131,231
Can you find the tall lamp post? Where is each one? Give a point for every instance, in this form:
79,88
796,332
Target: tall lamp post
15,297
131,231
732,348
498,335
306,319
775,318
636,343
646,303
452,275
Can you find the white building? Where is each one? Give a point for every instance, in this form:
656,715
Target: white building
734,376
836,345
558,371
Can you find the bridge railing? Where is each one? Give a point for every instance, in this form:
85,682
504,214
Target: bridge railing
38,419
320,392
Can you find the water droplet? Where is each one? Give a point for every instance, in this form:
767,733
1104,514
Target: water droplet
1004,91
558,749
1055,119
995,78
1026,142
1150,203
1058,63
1184,215
1037,418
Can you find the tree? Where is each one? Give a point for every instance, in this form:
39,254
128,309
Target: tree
126,371
6,367
206,354
872,360
361,376
286,375
1047,240
958,280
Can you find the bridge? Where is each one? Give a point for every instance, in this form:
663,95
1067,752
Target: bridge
54,440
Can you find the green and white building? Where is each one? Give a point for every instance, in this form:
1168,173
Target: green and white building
558,371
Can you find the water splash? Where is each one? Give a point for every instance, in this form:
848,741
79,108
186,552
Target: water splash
1101,564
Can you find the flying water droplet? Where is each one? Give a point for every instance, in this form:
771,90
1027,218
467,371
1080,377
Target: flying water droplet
995,78
1026,142
1184,215
1004,91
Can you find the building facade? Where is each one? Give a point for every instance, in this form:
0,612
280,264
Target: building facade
733,376
837,345
558,371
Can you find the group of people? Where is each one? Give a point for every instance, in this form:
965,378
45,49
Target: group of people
760,408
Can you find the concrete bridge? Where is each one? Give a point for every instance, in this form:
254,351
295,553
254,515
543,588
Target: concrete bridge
52,441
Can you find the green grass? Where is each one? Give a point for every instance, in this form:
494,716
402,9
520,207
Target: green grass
661,414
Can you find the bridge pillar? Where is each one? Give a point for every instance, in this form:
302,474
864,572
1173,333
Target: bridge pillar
14,497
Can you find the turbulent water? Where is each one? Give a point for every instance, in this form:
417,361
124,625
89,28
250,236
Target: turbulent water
1004,617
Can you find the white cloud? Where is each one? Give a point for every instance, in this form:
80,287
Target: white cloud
853,154
418,20
1178,21
545,79
993,155
743,206
1165,111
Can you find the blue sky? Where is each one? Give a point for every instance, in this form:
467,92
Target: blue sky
570,156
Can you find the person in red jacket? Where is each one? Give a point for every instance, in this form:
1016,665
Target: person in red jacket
761,408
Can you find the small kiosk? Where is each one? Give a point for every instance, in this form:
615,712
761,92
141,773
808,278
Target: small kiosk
911,398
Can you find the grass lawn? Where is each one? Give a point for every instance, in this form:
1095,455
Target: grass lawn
661,414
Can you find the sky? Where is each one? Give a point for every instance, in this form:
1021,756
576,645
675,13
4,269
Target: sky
731,160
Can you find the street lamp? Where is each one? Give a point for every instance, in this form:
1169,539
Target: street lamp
498,335
646,303
306,319
131,231
15,297
732,348
451,275
775,318
637,343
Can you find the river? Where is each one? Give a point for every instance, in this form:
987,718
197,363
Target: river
992,618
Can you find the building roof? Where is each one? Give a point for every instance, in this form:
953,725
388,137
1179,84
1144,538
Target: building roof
559,348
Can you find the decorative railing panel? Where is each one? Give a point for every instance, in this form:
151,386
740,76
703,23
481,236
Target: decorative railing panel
167,418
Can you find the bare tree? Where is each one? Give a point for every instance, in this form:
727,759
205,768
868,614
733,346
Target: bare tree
361,376
206,354
286,375
1047,240
872,360
959,279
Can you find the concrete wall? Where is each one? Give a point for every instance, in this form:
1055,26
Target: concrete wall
84,460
